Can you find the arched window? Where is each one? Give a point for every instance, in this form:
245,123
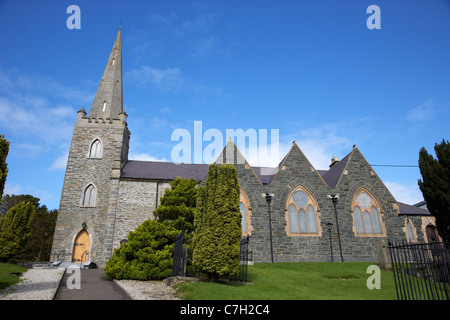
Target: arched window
95,151
89,195
302,214
367,215
410,230
244,206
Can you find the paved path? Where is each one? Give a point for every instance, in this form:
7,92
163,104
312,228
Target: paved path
94,286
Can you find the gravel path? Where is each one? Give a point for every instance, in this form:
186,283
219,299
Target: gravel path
41,284
36,284
147,290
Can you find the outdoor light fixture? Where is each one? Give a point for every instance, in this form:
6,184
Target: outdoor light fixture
329,226
269,199
84,225
334,198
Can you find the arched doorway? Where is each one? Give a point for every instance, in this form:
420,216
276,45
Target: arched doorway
431,234
81,247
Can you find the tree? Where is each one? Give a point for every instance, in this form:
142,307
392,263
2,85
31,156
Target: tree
178,204
38,246
148,254
9,201
218,224
4,149
435,185
15,229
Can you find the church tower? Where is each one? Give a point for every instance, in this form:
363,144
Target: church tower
99,148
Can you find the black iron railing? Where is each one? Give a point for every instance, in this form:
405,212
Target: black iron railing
421,270
244,258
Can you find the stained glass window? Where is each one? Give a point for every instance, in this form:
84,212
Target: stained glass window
366,214
302,213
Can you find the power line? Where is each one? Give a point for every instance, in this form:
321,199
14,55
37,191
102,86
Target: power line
395,165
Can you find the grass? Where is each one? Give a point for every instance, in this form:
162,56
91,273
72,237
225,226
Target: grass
9,274
297,281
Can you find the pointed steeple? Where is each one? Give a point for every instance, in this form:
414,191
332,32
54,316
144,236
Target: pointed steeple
108,101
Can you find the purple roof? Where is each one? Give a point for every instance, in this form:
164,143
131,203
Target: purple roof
407,209
155,170
332,176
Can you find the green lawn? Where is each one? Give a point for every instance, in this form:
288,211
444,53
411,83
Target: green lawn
9,274
297,281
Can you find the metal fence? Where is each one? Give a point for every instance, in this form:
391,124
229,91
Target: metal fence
181,251
244,257
421,270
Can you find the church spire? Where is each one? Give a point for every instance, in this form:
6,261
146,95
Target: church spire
108,101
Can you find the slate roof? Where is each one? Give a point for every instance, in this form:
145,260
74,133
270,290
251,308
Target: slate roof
155,170
332,176
265,174
168,171
409,210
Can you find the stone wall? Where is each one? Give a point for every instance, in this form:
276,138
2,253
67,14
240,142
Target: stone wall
297,171
135,204
82,171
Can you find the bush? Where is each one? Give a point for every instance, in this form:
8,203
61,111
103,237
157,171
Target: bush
147,255
178,204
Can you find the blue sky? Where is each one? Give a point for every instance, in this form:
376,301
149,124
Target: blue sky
311,69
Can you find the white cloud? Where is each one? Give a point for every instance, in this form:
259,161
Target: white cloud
163,80
423,112
170,80
321,143
12,188
409,194
60,163
144,157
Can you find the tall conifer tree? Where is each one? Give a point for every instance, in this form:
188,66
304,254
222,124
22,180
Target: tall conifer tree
15,229
435,185
218,224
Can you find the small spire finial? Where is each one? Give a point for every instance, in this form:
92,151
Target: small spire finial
120,24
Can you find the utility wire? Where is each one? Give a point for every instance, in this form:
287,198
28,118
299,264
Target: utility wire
395,165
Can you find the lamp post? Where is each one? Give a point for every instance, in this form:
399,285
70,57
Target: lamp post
330,225
334,198
268,199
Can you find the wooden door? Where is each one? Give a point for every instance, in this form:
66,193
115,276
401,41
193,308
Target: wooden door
81,247
431,234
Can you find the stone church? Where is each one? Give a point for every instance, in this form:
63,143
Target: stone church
105,195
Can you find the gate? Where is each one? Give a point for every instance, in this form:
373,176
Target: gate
421,270
179,256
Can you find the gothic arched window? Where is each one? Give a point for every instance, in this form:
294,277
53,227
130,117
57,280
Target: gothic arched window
302,214
244,206
89,195
410,230
95,151
367,215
